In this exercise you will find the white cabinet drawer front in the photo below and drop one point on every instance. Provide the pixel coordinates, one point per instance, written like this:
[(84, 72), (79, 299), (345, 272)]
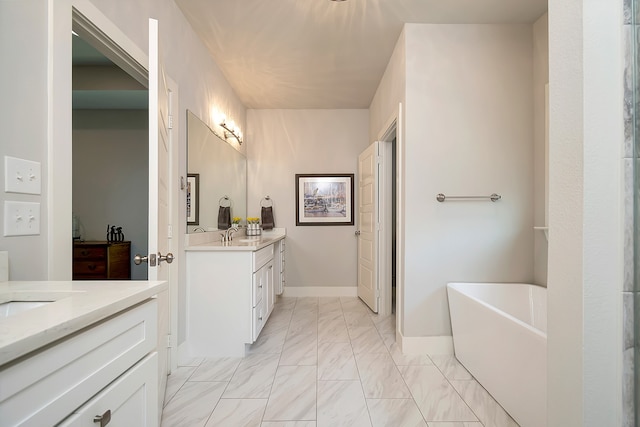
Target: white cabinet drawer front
[(131, 399), (259, 318), (262, 256), (47, 386), (258, 287)]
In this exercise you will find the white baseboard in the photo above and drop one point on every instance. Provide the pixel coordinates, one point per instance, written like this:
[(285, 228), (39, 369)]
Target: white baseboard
[(320, 291), (442, 344)]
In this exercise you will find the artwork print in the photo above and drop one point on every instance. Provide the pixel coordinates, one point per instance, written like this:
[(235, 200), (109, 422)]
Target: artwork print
[(324, 199)]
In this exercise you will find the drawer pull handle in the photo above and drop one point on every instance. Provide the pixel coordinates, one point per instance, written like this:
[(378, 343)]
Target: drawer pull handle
[(91, 267), (84, 253), (103, 419)]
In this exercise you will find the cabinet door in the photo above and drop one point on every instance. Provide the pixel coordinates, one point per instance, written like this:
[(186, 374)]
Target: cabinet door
[(279, 267), (131, 400), (269, 289)]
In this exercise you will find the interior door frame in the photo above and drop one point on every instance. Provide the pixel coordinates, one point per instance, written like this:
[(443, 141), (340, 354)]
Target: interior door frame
[(390, 131)]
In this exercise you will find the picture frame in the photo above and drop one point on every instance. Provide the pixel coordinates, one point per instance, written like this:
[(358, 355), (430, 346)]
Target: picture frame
[(324, 199), (193, 199)]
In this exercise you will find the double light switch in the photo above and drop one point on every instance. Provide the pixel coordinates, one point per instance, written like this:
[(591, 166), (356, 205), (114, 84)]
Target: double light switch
[(21, 176)]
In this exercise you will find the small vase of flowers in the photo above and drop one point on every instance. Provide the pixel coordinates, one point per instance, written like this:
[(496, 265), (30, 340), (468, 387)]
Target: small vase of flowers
[(253, 226)]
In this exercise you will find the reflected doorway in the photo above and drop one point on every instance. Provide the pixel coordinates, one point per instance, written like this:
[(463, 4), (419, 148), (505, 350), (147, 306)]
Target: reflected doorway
[(110, 134)]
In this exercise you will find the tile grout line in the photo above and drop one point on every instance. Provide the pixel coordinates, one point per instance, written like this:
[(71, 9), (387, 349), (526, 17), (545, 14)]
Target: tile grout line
[(262, 420)]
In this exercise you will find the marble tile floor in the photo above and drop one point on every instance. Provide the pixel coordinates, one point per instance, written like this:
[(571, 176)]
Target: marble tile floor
[(328, 362)]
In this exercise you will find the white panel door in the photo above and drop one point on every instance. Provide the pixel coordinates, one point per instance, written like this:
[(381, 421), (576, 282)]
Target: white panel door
[(159, 212), (368, 224)]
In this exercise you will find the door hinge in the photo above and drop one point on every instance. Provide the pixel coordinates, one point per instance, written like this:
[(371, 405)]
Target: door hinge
[(170, 341), (170, 125), (169, 231)]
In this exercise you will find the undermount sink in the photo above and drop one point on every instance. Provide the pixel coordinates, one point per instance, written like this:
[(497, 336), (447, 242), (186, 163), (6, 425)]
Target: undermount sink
[(10, 308)]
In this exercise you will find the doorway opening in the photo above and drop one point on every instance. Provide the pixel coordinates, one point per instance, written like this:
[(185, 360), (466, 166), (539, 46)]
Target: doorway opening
[(110, 163), (388, 219)]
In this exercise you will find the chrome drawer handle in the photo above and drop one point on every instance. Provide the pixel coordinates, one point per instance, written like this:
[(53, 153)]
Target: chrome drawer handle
[(103, 419)]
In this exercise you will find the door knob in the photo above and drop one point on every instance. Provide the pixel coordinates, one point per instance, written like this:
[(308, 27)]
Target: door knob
[(138, 259), (168, 257), (151, 259)]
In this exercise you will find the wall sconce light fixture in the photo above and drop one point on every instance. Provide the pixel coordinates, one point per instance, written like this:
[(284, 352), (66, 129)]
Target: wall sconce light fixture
[(231, 130)]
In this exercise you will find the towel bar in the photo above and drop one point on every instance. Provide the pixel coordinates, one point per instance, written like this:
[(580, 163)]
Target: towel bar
[(493, 197)]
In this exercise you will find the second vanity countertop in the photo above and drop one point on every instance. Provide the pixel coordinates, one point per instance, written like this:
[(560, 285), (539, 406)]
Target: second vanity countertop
[(72, 306), (198, 241)]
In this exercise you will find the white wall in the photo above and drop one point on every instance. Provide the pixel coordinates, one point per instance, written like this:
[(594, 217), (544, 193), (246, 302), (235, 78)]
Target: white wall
[(585, 239), (284, 143), (540, 78), (469, 131), (111, 176), (23, 120), (390, 91)]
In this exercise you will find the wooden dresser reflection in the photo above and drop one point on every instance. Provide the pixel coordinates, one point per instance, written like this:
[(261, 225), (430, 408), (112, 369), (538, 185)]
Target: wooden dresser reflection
[(101, 260)]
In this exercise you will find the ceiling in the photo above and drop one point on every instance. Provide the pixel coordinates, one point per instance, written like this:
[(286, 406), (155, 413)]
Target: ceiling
[(83, 54), (321, 53)]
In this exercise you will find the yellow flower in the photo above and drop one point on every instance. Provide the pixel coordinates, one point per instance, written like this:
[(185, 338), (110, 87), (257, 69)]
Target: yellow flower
[(237, 219)]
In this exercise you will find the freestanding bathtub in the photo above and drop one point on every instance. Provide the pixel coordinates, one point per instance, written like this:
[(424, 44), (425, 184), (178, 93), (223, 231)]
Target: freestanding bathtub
[(500, 336)]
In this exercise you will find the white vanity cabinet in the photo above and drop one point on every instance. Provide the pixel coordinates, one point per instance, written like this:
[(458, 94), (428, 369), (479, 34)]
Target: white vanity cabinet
[(108, 369), (231, 292), (279, 266), (263, 295), (125, 402)]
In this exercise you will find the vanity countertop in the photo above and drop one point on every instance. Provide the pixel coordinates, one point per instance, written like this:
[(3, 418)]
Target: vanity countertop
[(75, 305), (239, 243)]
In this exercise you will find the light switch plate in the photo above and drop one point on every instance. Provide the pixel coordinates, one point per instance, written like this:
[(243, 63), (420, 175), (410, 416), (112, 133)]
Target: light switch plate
[(22, 176), (21, 218)]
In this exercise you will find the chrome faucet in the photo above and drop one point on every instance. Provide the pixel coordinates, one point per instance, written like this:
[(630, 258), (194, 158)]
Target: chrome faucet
[(199, 229), (227, 236)]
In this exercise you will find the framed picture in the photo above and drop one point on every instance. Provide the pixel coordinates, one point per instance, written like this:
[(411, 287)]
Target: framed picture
[(193, 199), (324, 199)]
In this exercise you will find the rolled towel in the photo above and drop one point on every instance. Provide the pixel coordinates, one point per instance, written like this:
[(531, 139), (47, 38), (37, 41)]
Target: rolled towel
[(266, 214), (224, 217)]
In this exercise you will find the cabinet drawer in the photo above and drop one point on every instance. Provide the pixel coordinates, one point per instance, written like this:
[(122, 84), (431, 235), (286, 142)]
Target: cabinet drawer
[(258, 287), (89, 268), (119, 270), (259, 318), (131, 400), (90, 252), (262, 256), (45, 387)]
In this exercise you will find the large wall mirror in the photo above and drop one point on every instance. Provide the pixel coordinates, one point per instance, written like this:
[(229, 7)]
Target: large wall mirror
[(217, 174)]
